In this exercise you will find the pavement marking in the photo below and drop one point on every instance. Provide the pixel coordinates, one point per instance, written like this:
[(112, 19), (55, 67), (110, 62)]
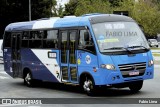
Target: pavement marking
[(11, 105), (156, 58), (3, 77), (3, 73), (157, 66)]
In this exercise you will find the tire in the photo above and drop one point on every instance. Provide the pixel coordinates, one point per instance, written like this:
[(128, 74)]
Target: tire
[(136, 86), (88, 85), (157, 46), (28, 80)]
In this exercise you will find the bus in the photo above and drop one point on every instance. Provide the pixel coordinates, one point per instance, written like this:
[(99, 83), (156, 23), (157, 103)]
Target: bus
[(1, 52), (92, 50)]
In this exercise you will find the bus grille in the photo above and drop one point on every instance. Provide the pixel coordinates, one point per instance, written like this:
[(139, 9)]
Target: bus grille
[(127, 68)]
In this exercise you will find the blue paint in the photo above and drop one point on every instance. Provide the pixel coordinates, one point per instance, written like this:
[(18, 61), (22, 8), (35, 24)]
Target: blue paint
[(88, 61)]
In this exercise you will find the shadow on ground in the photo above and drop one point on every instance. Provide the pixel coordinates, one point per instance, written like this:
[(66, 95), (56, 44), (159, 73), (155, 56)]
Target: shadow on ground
[(101, 92)]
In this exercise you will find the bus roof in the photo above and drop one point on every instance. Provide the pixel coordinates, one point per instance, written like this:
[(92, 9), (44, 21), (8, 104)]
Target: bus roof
[(56, 22)]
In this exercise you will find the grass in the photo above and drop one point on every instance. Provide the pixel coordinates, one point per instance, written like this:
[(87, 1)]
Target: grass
[(157, 62), (154, 48), (156, 54)]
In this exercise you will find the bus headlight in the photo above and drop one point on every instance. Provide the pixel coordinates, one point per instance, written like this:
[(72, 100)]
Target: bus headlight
[(150, 63), (108, 66)]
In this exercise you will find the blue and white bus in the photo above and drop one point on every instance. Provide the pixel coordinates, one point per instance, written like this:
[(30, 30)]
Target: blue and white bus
[(92, 50)]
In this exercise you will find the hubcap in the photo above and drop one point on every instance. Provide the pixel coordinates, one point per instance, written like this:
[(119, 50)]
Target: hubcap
[(28, 79), (88, 85)]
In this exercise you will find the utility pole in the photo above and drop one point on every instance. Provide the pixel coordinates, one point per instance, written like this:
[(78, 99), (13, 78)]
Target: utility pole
[(29, 10)]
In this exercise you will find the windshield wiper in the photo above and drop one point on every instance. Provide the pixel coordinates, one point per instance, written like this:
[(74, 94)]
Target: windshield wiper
[(139, 46), (114, 48), (128, 49), (120, 48)]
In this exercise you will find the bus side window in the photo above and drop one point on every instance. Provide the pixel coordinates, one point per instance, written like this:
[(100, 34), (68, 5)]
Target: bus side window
[(86, 41), (25, 37), (7, 42), (35, 40), (51, 39)]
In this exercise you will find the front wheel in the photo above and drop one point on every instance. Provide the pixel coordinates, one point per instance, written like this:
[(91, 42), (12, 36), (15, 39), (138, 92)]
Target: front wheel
[(88, 86), (136, 86)]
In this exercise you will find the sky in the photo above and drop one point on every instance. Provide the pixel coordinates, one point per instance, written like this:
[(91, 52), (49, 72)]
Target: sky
[(61, 2)]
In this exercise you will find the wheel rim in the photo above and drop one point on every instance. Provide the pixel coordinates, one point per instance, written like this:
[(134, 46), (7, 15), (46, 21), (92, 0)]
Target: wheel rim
[(28, 79), (88, 85)]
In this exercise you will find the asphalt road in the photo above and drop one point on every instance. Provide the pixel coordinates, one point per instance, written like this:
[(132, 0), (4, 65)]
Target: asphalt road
[(14, 88)]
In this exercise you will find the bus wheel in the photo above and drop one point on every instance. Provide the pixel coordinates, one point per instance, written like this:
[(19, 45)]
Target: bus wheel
[(88, 86), (136, 86), (28, 79)]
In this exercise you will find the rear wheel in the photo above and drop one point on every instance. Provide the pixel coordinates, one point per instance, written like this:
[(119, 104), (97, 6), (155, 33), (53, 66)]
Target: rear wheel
[(136, 86), (28, 80)]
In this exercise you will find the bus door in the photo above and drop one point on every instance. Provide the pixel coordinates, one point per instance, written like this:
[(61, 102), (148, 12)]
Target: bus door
[(68, 56), (15, 54)]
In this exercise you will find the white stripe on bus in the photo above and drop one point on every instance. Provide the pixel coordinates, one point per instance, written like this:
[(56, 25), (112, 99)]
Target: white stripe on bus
[(48, 62), (44, 23)]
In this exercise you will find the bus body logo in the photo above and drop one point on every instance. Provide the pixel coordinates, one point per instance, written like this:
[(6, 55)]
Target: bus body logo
[(88, 59)]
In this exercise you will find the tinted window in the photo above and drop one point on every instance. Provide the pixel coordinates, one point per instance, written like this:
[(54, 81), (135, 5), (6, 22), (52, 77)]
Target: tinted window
[(86, 41), (72, 47), (51, 39), (64, 43), (25, 38), (35, 39), (7, 42)]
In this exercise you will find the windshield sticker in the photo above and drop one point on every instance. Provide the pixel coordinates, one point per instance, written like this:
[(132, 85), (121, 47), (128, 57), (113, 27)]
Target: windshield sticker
[(88, 59), (79, 55), (115, 26), (108, 26), (79, 61), (108, 40), (101, 37), (112, 40), (101, 41), (118, 26)]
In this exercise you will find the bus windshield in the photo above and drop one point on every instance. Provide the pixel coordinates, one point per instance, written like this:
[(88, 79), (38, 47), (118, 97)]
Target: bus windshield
[(117, 36)]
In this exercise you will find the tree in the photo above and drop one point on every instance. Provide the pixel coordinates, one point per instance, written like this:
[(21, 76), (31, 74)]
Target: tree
[(145, 13), (18, 10), (42, 8), (92, 6), (70, 7), (148, 16)]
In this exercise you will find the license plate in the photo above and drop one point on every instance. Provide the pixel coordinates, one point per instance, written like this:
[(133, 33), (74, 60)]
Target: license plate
[(134, 73)]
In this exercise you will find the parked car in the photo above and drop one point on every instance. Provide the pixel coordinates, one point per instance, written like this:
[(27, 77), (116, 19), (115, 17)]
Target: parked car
[(1, 52), (153, 42)]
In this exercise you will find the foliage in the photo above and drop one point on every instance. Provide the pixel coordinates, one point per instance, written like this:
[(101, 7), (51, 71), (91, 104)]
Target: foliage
[(18, 10), (70, 7), (42, 8), (92, 6), (145, 13)]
